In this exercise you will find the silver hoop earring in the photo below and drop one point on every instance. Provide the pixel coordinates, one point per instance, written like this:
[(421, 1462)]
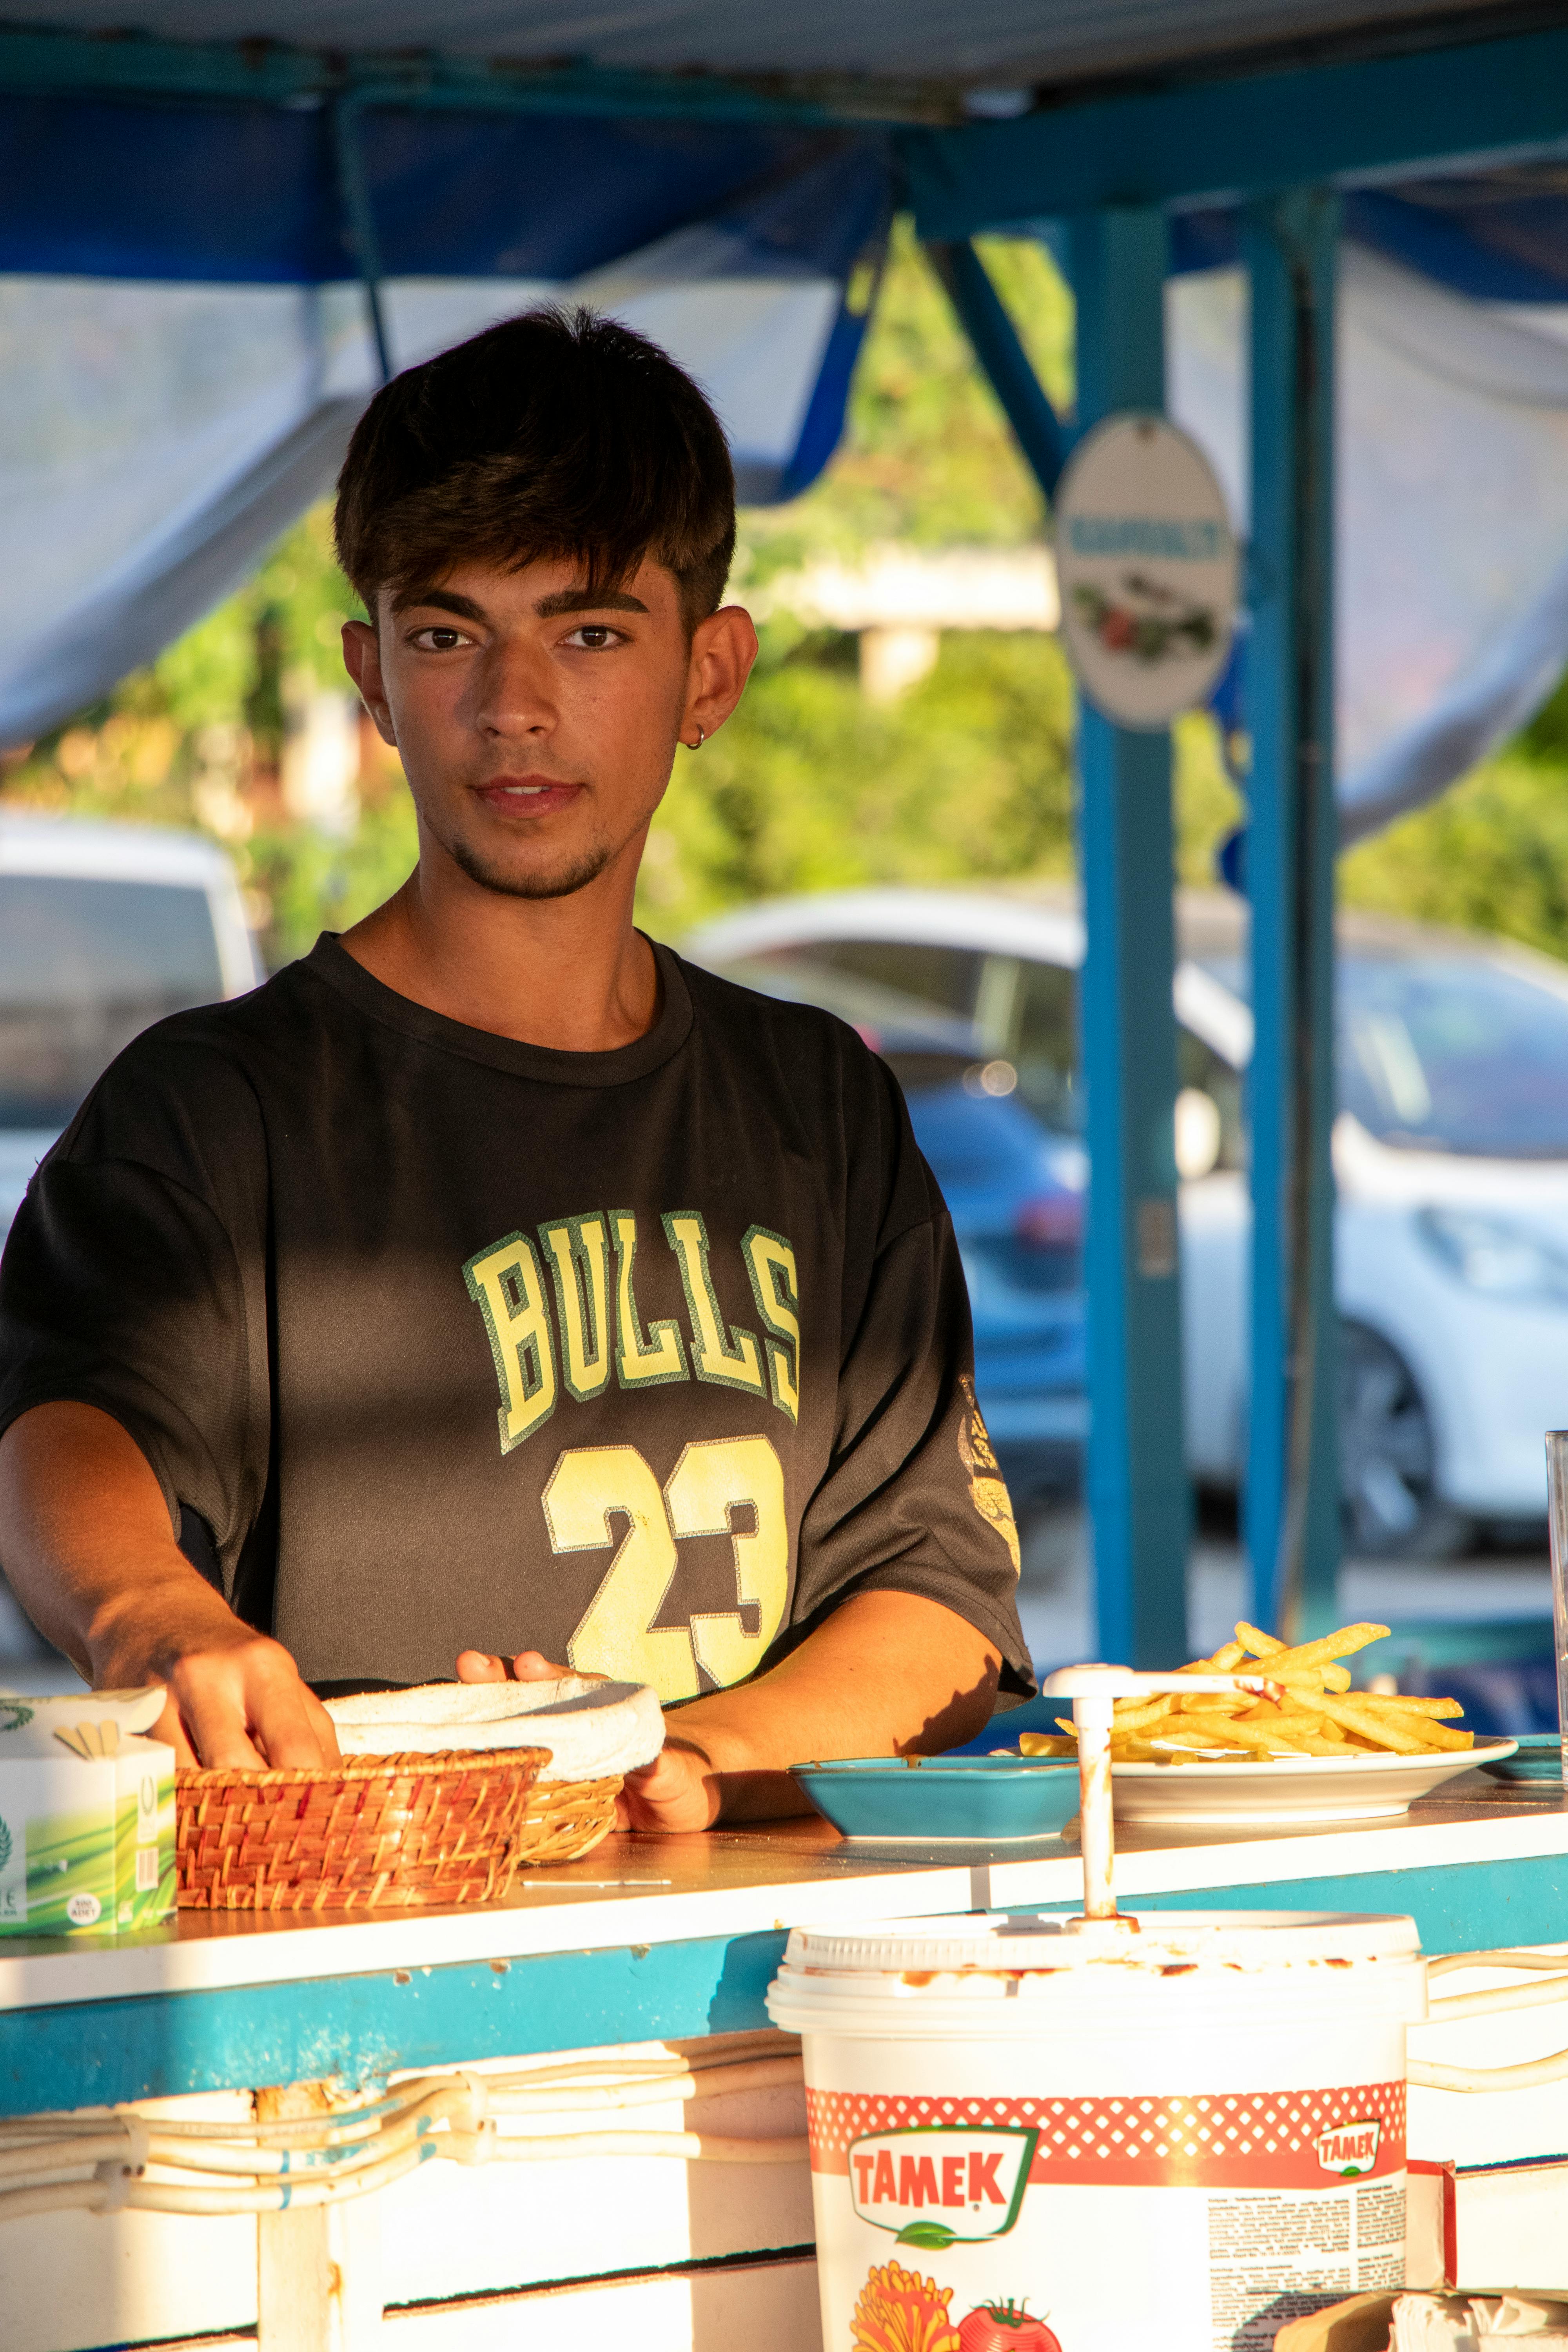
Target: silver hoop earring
[(701, 738)]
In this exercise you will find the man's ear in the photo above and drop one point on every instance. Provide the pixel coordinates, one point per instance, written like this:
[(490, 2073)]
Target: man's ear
[(723, 648), (361, 659)]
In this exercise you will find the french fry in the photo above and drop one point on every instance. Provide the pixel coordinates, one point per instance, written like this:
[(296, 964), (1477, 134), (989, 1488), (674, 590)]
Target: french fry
[(1358, 1714), (1138, 1718), (1426, 1727), (1225, 1661), (1325, 1651), (1412, 1703), (1267, 1645), (1268, 1740), (1309, 1710)]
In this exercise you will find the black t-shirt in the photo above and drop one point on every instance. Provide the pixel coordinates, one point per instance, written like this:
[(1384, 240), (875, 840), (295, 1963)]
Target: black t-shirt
[(645, 1359)]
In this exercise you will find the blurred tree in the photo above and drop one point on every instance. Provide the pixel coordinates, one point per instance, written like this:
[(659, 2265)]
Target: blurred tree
[(1490, 855)]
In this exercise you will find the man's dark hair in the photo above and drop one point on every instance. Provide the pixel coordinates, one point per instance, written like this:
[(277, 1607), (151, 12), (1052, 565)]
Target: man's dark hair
[(558, 433)]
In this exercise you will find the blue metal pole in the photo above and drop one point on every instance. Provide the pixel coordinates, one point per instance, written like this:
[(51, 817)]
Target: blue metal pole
[(1137, 1482), (993, 339), (360, 220), (1292, 1501)]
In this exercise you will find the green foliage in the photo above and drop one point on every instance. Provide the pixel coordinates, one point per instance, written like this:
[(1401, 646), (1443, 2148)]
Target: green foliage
[(208, 676), (811, 787), (927, 454), (1490, 855), (312, 882)]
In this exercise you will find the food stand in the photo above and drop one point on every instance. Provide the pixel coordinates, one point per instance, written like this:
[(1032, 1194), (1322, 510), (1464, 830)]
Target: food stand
[(643, 1943), (648, 1943)]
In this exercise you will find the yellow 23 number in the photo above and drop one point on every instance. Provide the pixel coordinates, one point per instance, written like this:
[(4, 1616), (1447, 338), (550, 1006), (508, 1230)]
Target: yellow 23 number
[(617, 1635)]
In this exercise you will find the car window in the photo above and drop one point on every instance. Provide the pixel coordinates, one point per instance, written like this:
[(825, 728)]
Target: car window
[(84, 965), (1197, 1065), (945, 977), (1029, 1012), (1454, 1053)]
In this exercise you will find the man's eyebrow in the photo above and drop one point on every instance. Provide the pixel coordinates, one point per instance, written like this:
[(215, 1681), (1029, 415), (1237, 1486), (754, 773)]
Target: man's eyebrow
[(588, 600), (445, 599)]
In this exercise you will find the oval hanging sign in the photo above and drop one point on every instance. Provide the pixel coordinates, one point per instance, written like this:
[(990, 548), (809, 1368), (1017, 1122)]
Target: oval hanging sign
[(1146, 563)]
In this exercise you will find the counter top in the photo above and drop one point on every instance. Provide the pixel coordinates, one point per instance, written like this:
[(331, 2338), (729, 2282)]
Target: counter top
[(658, 1939), (639, 1891)]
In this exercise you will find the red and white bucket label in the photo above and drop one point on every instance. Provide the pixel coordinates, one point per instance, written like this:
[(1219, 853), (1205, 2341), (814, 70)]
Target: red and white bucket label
[(1221, 2139), (1202, 2222)]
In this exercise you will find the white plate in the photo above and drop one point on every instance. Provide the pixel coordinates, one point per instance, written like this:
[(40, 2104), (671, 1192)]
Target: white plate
[(1359, 1788)]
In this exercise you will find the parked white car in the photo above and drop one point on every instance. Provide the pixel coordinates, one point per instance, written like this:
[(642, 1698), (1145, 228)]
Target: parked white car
[(1450, 1151), (104, 929)]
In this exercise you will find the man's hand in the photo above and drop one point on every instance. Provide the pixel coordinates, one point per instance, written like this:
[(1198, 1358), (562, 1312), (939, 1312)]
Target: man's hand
[(888, 1673), (528, 1667), (679, 1790), (86, 1542), (235, 1698)]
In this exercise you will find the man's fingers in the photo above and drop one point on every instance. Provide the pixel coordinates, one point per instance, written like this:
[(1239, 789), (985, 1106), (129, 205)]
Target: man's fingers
[(247, 1707), (675, 1792), (171, 1729), (215, 1720), (533, 1666), (294, 1729), (528, 1667), (480, 1667), (326, 1730)]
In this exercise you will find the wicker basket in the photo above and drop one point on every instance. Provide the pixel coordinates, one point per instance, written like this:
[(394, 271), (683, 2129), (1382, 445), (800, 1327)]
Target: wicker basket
[(567, 1819), (376, 1831)]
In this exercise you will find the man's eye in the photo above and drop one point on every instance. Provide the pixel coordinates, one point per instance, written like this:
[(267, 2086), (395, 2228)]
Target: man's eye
[(594, 637), (438, 641)]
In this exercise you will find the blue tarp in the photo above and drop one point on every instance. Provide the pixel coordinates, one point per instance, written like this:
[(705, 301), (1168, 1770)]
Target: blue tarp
[(249, 195)]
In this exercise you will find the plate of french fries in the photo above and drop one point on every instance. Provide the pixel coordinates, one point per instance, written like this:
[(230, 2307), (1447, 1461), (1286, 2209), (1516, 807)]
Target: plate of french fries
[(1321, 1751)]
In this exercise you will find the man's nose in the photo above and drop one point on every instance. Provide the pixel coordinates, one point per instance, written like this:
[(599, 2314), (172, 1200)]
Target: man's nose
[(514, 696)]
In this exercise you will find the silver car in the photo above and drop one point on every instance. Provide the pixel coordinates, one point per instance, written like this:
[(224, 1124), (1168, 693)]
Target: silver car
[(1450, 1152)]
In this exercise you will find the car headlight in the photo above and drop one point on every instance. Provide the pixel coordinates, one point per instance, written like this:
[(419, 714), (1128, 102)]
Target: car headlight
[(1493, 1255)]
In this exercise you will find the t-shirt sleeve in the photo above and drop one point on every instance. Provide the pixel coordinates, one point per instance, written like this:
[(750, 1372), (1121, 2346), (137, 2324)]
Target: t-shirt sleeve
[(912, 1500), (121, 1286)]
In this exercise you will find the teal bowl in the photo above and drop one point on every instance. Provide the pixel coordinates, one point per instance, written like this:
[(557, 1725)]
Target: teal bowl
[(1539, 1757), (930, 1800)]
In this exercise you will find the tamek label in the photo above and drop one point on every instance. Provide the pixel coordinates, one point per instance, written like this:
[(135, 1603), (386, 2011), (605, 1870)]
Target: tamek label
[(1351, 2149), (938, 2185)]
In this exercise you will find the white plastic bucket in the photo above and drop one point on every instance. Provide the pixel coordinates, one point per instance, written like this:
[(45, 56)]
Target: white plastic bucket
[(1176, 2138)]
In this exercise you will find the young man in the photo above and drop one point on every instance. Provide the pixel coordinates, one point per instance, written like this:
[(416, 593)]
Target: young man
[(491, 1286)]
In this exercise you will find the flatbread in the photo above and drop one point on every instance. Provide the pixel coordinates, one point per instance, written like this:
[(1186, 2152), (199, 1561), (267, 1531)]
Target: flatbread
[(591, 1727)]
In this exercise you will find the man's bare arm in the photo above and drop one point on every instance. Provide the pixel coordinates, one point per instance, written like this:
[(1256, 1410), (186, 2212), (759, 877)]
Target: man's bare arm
[(86, 1542), (888, 1674)]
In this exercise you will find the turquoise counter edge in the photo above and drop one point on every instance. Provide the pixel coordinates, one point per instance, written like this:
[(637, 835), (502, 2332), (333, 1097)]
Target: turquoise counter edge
[(358, 2027)]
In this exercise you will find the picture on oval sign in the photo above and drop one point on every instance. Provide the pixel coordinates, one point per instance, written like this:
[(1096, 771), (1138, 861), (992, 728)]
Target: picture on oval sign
[(1146, 564)]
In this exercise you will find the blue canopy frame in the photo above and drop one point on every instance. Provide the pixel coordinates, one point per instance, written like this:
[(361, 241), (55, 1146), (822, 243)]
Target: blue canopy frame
[(1260, 161)]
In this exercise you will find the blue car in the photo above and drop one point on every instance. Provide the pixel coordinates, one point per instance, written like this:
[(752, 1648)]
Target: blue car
[(1017, 1199), (1016, 1196)]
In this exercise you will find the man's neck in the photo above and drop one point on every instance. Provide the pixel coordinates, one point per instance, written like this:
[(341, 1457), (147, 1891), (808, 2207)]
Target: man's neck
[(568, 972)]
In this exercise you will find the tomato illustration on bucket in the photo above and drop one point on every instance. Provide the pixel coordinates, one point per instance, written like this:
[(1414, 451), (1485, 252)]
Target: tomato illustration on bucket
[(900, 2311), (1004, 2328)]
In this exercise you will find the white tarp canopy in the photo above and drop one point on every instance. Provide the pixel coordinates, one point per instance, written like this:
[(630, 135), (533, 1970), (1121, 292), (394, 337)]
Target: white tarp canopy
[(160, 437), (1452, 547)]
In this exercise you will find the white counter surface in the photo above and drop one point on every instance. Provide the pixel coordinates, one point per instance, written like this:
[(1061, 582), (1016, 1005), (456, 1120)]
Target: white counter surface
[(645, 1891)]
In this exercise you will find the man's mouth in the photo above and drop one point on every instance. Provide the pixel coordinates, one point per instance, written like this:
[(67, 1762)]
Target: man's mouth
[(527, 795)]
